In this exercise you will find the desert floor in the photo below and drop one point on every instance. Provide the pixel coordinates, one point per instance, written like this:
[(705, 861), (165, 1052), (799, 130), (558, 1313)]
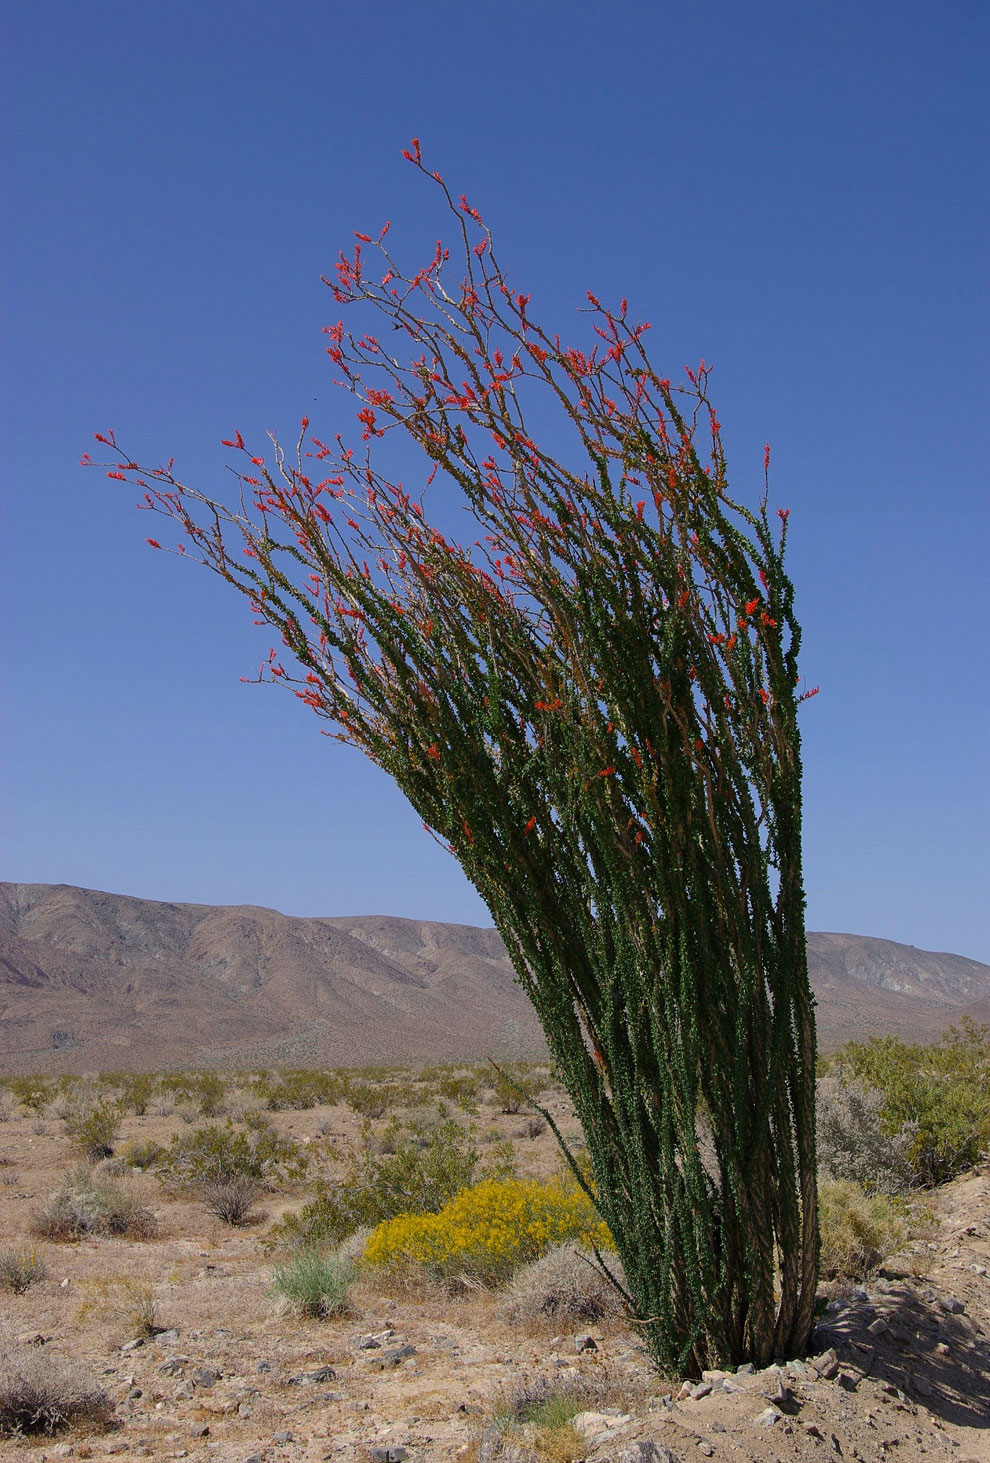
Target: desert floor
[(231, 1378)]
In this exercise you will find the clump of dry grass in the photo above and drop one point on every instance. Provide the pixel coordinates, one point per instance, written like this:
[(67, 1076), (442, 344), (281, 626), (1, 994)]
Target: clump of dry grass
[(562, 1288), (20, 1269), (42, 1392), (89, 1203)]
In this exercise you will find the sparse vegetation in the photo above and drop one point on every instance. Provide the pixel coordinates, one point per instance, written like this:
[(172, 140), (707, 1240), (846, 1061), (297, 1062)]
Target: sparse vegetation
[(218, 1155), (414, 1170)]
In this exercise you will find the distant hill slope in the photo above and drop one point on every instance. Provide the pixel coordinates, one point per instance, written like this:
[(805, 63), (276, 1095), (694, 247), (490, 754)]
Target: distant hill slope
[(92, 981)]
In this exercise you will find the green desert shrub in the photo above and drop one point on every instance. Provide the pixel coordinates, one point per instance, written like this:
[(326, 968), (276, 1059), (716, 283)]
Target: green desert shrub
[(939, 1093), (94, 1130), (217, 1155), (314, 1283), (88, 1204), (141, 1153), (409, 1170), (297, 1088)]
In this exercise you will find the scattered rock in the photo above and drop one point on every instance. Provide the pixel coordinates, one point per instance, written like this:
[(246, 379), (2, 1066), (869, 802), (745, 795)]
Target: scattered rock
[(167, 1338), (592, 1424), (133, 1345), (388, 1455), (647, 1452), (206, 1377), (877, 1327), (768, 1418), (312, 1379), (585, 1343), (954, 1306), (699, 1390), (826, 1365), (394, 1356), (746, 1370)]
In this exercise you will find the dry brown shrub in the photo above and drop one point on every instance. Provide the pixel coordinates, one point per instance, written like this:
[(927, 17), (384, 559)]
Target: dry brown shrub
[(562, 1288), (41, 1392)]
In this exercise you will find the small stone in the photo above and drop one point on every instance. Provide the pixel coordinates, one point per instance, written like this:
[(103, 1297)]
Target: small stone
[(718, 1427), (167, 1338), (647, 1452), (243, 1409), (943, 1349), (706, 1449), (133, 1345), (921, 1385), (768, 1418), (312, 1379), (746, 1370), (848, 1382), (206, 1377), (954, 1306), (877, 1327), (183, 1392), (135, 1392), (388, 1455), (701, 1389), (61, 1450), (253, 1458), (280, 1439), (393, 1356), (200, 1432), (585, 1343), (684, 1393), (826, 1365), (812, 1429)]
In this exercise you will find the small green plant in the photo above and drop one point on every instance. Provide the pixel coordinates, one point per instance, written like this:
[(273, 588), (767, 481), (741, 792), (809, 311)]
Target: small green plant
[(20, 1269), (141, 1154), (94, 1131), (313, 1283), (545, 1410)]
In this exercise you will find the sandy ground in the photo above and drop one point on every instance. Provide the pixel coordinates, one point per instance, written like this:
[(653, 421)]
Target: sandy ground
[(899, 1369)]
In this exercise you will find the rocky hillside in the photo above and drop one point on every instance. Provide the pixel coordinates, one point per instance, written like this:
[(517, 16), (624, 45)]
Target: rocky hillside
[(92, 981)]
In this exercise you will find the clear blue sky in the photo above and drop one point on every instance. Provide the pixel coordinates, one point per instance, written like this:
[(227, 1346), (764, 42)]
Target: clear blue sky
[(798, 193)]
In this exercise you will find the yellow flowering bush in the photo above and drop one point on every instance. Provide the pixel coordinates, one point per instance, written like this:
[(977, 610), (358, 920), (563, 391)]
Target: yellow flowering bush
[(489, 1230)]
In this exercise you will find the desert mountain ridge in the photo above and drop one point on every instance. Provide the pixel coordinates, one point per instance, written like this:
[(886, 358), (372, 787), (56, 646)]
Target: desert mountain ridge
[(94, 981)]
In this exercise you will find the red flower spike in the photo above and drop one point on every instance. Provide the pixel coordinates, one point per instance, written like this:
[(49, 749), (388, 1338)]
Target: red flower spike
[(153, 542), (433, 752), (530, 826), (751, 605), (119, 475)]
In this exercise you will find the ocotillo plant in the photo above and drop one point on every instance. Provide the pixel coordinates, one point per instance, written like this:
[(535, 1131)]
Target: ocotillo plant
[(598, 719)]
